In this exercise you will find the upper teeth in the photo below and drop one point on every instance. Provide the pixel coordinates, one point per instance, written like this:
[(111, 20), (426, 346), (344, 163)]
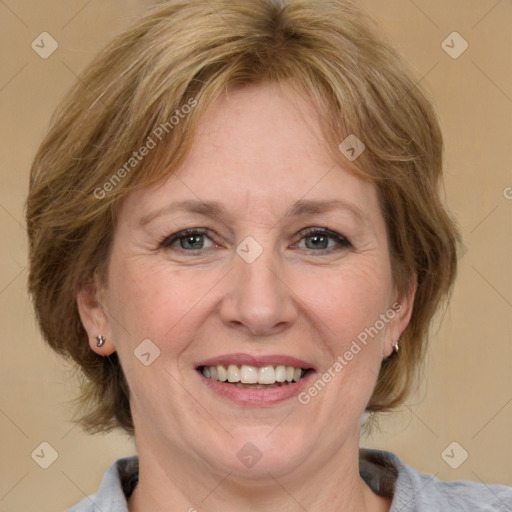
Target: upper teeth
[(252, 374)]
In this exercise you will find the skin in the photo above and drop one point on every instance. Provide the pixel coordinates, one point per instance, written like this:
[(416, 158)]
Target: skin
[(257, 152)]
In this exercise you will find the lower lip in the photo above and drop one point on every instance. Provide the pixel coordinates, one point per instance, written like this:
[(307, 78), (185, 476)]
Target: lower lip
[(258, 397)]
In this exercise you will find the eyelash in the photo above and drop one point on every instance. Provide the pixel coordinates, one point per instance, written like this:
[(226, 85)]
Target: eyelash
[(343, 243)]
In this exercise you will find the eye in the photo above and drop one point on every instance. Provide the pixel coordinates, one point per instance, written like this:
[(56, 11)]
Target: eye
[(187, 240), (197, 239), (323, 239)]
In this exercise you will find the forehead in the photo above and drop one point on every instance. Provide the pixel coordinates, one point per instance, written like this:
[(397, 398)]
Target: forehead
[(259, 146)]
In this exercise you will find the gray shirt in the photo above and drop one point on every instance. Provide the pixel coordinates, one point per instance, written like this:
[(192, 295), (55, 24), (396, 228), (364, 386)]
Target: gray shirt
[(383, 471)]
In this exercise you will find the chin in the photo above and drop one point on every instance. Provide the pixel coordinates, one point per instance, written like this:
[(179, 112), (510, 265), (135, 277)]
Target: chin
[(253, 453)]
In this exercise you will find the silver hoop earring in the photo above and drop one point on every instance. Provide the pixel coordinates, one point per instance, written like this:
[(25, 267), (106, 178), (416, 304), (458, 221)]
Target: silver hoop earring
[(395, 346), (101, 341)]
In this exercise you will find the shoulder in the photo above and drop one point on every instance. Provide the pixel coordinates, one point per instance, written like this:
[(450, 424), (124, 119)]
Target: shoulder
[(421, 492), (116, 485)]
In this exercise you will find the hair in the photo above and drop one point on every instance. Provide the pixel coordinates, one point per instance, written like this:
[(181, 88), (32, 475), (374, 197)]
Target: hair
[(186, 53)]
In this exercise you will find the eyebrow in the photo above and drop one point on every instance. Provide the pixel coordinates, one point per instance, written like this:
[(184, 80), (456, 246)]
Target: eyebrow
[(215, 209)]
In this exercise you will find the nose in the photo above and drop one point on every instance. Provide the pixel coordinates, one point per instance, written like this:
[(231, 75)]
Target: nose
[(258, 301)]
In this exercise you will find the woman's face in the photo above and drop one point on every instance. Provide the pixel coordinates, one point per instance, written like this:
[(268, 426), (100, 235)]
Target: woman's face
[(286, 264)]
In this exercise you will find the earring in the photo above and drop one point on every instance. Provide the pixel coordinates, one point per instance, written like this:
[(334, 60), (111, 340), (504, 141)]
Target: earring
[(395, 346), (101, 341)]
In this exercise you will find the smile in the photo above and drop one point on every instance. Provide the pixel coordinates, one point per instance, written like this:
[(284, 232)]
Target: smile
[(254, 377), (255, 380)]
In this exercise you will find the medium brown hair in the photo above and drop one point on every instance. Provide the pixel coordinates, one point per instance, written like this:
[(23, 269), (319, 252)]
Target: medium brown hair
[(186, 53)]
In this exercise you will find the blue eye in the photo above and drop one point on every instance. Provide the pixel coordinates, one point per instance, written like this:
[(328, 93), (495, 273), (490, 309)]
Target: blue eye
[(324, 240), (192, 241), (188, 240), (316, 239)]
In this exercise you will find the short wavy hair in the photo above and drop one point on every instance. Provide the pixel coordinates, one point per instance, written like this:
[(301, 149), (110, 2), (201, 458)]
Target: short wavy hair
[(187, 52)]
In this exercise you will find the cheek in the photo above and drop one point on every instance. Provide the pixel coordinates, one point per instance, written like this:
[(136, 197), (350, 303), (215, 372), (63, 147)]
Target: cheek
[(349, 314), (353, 300), (151, 300)]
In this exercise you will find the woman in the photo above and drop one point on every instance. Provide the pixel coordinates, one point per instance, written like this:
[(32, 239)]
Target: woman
[(237, 235)]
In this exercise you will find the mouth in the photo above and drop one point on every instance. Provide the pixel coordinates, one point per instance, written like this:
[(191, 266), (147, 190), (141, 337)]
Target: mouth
[(255, 380), (254, 377)]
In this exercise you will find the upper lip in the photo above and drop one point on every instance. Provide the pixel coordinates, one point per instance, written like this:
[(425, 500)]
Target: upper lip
[(256, 360)]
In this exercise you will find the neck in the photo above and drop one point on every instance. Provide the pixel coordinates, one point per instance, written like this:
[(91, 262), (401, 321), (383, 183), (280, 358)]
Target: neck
[(174, 478)]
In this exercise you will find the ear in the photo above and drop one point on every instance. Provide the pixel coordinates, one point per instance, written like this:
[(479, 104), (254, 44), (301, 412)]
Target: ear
[(94, 318), (402, 307)]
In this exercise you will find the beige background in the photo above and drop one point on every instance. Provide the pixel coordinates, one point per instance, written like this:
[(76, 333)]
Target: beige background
[(467, 396)]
